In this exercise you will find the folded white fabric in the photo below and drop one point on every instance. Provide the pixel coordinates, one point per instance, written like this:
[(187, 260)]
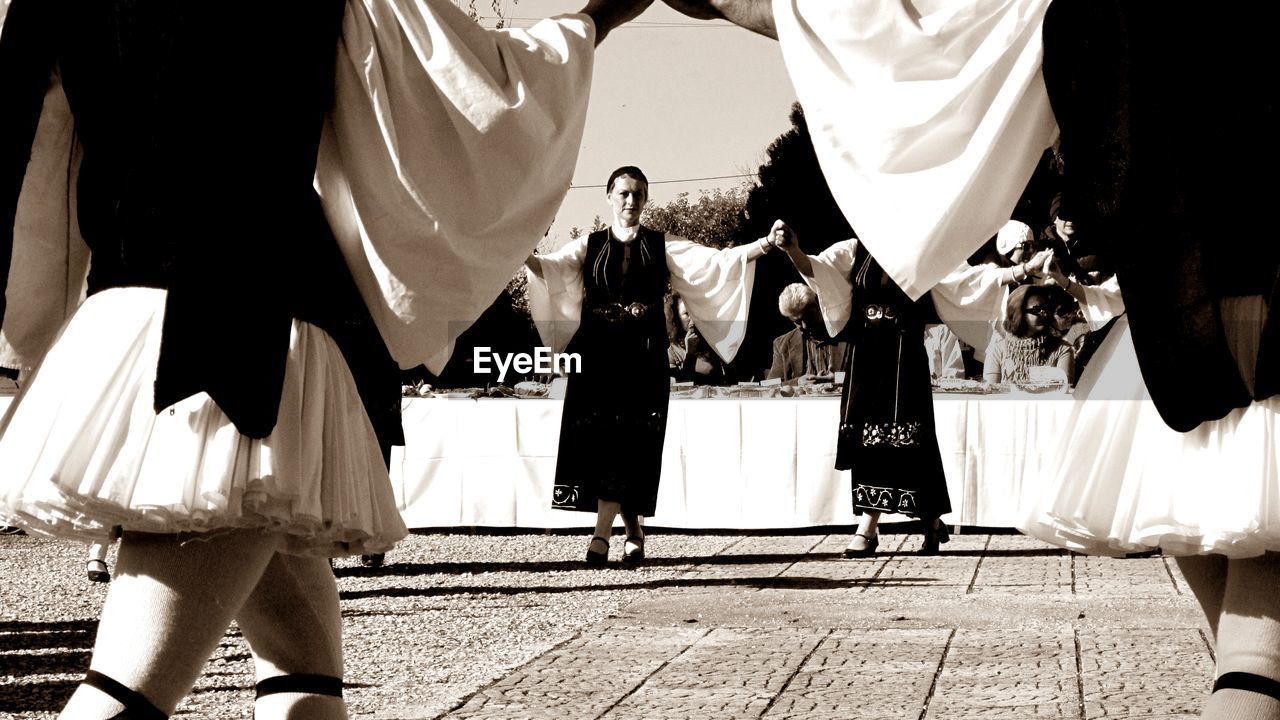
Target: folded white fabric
[(449, 151), (928, 117)]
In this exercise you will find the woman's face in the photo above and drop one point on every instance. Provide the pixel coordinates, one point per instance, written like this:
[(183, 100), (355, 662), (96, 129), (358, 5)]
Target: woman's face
[(1039, 315), (628, 197), (1021, 252), (686, 320), (1065, 228)]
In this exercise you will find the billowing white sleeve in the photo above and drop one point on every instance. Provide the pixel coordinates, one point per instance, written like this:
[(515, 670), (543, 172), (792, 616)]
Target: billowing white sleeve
[(445, 158), (50, 260), (928, 117), (1102, 303), (555, 294), (832, 269), (716, 288), (970, 300)]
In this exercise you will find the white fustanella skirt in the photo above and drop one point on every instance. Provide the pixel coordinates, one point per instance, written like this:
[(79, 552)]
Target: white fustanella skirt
[(83, 451), (1122, 481)]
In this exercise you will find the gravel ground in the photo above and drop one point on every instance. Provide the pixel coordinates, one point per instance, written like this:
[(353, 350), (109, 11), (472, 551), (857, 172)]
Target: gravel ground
[(447, 614)]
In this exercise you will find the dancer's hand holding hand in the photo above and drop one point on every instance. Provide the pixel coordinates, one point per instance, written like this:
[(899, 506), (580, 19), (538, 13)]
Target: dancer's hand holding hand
[(1036, 266), (1054, 272), (782, 236), (754, 15), (609, 14), (699, 9)]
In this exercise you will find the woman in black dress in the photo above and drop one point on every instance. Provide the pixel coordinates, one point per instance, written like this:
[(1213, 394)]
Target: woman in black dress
[(615, 410), (887, 438)]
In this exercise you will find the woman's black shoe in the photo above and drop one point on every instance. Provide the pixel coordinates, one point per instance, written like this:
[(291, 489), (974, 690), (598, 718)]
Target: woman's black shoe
[(634, 556), (873, 542), (934, 535), (597, 559)]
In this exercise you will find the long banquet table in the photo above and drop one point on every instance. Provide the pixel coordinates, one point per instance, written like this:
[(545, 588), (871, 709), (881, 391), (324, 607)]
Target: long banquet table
[(727, 463)]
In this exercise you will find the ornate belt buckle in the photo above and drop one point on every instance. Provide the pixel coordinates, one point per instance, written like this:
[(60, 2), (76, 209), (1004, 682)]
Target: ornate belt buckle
[(636, 309), (873, 312)]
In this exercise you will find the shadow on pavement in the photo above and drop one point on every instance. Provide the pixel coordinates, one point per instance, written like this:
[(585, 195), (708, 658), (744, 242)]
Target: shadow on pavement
[(807, 583), (30, 649), (394, 569)]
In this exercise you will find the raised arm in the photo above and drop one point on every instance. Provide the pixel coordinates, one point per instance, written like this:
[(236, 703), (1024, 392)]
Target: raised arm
[(754, 15), (609, 14)]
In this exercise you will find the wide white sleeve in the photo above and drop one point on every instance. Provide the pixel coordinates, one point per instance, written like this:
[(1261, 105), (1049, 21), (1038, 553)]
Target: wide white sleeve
[(831, 281), (970, 300), (716, 288), (50, 259), (555, 294), (445, 158), (1102, 303), (928, 117)]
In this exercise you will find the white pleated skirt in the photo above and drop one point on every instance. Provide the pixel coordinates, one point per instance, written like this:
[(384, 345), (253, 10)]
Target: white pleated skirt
[(83, 452), (1122, 481)]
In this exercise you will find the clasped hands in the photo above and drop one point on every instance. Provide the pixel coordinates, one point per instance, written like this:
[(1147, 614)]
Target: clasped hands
[(1043, 267), (781, 235)]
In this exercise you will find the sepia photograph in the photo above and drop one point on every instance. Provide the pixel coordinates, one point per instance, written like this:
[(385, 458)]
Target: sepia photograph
[(653, 359)]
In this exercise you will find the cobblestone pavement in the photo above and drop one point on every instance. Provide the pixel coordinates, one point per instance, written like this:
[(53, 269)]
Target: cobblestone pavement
[(713, 626), (998, 626)]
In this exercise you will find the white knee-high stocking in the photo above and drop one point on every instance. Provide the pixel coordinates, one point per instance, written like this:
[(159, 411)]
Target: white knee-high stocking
[(1249, 643)]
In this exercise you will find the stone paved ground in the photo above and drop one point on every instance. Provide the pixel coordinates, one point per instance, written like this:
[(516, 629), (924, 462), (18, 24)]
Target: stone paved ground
[(714, 626), (999, 626)]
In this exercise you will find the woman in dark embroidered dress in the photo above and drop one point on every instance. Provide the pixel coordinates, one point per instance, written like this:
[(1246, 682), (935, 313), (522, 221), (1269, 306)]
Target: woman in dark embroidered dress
[(615, 411), (887, 437)]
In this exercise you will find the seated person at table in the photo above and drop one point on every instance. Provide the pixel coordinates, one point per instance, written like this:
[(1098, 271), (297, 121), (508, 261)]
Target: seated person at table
[(946, 357), (690, 357), (1030, 338), (807, 352)]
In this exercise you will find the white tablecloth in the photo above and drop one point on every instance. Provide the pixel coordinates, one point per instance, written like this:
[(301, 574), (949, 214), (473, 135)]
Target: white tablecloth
[(750, 463)]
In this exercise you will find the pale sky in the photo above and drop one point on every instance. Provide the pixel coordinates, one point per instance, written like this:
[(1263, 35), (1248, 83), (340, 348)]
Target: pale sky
[(680, 98)]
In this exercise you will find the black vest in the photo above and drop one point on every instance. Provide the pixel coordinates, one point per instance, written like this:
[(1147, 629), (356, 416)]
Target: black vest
[(200, 129)]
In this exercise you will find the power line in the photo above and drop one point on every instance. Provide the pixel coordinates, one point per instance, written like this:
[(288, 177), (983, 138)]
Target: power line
[(665, 182), (633, 25)]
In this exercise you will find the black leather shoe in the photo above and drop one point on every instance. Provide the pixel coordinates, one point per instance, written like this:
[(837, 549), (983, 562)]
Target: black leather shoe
[(594, 558), (873, 542), (374, 560), (97, 571), (934, 535), (634, 556)]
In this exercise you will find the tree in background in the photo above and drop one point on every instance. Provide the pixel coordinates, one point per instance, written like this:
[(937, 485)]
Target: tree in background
[(575, 232), (715, 219), (498, 7), (790, 187)]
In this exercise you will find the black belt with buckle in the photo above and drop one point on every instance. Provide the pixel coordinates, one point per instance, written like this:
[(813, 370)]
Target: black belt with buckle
[(617, 312), (875, 314)]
